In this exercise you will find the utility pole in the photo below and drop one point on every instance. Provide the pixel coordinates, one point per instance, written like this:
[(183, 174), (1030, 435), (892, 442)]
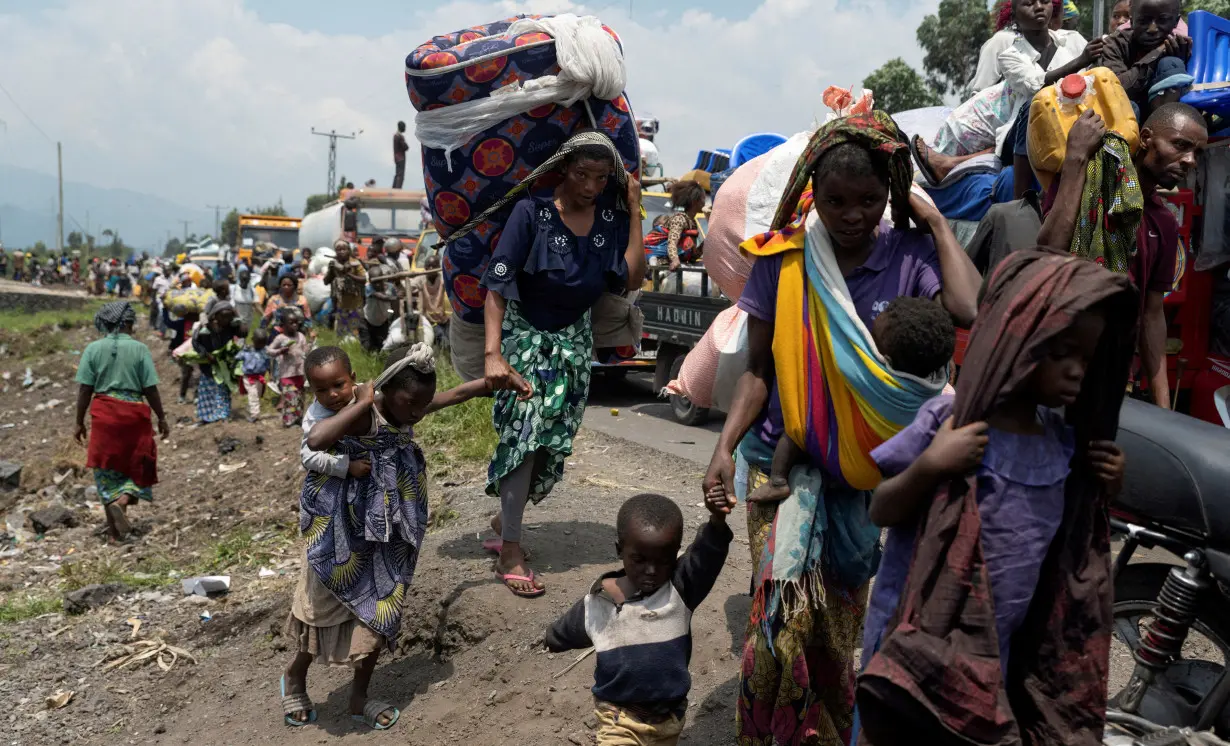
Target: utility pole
[(60, 213), (185, 222), (333, 138), (217, 223)]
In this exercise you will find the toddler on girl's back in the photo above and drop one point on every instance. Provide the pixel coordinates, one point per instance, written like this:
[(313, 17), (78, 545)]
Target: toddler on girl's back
[(364, 522), (1026, 440)]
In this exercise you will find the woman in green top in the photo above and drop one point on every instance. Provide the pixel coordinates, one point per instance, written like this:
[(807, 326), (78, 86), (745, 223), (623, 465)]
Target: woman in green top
[(116, 375)]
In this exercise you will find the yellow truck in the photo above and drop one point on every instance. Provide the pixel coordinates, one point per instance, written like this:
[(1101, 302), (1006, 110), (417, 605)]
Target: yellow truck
[(279, 230)]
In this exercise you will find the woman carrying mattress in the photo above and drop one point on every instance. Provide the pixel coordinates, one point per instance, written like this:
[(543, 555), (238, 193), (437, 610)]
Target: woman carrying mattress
[(557, 255), (814, 375)]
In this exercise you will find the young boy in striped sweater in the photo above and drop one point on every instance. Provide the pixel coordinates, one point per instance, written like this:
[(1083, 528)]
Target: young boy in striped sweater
[(639, 619)]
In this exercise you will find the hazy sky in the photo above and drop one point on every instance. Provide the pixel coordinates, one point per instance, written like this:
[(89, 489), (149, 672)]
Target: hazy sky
[(212, 101)]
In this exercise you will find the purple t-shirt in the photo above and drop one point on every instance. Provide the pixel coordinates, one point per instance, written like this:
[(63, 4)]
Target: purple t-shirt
[(1020, 490), (902, 263)]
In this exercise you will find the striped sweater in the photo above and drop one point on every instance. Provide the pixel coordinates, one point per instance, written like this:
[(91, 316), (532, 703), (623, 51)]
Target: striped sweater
[(644, 644)]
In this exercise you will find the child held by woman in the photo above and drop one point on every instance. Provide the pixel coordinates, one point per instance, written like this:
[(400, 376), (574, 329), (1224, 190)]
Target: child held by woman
[(1023, 461), (639, 619), (363, 533), (915, 336)]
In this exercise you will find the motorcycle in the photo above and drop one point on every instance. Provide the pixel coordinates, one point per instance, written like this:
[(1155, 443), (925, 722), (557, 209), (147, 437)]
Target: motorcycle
[(1173, 617)]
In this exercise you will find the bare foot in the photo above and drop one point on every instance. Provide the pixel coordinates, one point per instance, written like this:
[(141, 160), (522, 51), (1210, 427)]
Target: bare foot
[(774, 490), (497, 525), (512, 561), (941, 165)]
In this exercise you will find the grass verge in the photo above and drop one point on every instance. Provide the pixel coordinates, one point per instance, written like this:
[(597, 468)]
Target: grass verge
[(34, 335), (20, 608), (463, 433)]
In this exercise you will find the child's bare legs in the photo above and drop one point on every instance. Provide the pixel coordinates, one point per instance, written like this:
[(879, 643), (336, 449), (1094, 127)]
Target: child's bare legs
[(785, 456), (358, 689), (255, 391), (296, 680), (185, 380)]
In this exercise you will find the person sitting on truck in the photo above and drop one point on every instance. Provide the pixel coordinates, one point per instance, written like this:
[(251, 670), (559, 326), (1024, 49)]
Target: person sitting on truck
[(676, 240), (1169, 141), (797, 680), (557, 255), (1150, 58)]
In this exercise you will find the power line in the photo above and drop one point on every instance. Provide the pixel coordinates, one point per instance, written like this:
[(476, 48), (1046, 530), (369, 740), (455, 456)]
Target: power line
[(24, 114)]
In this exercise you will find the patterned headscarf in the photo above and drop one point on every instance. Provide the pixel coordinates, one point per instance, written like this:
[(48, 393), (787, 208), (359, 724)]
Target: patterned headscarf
[(878, 133), (577, 141), (114, 316)]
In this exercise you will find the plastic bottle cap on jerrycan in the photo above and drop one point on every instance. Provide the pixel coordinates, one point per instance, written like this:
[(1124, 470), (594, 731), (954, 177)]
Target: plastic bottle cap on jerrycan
[(1073, 86)]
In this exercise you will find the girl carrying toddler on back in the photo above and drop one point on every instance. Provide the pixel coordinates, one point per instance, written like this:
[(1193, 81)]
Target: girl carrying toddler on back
[(364, 532), (990, 616)]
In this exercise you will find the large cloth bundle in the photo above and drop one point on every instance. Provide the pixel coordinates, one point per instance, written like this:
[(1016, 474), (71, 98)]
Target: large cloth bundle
[(181, 301), (475, 148)]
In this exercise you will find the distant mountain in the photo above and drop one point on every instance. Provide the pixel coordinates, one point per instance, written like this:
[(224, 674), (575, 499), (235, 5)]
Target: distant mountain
[(28, 212)]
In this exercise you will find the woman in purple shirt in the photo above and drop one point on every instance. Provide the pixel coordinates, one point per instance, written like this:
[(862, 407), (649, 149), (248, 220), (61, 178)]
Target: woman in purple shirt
[(850, 174)]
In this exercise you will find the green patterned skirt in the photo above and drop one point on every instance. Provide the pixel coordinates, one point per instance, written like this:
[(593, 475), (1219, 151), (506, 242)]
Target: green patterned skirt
[(557, 366)]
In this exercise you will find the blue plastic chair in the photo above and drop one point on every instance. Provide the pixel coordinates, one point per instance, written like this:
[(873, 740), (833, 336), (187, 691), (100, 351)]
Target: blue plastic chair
[(754, 145), (712, 160), (1210, 62)]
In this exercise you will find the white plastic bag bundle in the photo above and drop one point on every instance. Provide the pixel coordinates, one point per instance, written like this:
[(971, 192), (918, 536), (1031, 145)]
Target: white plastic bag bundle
[(320, 261), (316, 292), (397, 333)]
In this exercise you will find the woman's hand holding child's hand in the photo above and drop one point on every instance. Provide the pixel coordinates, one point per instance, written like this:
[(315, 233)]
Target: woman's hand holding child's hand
[(360, 468), (718, 502), (1106, 460), (956, 451)]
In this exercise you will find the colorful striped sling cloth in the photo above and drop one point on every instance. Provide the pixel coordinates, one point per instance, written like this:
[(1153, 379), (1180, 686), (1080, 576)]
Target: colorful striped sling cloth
[(840, 400)]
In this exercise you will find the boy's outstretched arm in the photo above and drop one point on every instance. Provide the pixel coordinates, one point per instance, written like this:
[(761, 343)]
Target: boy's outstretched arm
[(568, 632), (459, 394), (699, 567)]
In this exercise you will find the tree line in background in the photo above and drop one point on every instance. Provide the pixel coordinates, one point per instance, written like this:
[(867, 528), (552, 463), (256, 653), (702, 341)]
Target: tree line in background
[(112, 246), (951, 39)]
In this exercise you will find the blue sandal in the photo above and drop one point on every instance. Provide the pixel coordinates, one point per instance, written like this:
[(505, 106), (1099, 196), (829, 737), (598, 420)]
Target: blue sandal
[(371, 712), (292, 703)]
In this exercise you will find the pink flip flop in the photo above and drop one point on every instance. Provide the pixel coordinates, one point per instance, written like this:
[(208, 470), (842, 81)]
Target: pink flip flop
[(523, 579), (495, 545)]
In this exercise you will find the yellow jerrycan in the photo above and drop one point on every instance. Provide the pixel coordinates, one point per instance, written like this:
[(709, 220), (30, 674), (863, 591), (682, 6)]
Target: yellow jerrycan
[(1057, 107)]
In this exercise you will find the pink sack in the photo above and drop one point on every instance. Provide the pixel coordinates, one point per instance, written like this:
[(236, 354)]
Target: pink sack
[(700, 367), (725, 262)]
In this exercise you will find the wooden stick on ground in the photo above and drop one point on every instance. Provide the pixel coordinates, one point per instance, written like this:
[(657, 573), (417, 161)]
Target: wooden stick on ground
[(573, 665)]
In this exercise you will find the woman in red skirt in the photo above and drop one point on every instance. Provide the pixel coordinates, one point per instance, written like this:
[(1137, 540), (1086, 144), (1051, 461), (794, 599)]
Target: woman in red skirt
[(117, 378)]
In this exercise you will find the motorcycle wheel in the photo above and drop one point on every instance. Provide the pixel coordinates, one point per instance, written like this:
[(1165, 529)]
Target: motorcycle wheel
[(1206, 653)]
